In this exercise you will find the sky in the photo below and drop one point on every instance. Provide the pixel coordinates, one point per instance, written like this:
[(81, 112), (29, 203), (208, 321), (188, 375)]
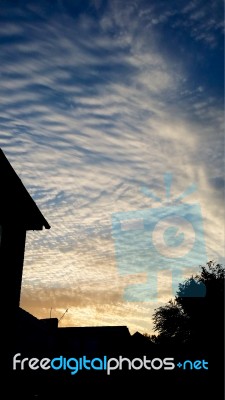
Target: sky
[(110, 110)]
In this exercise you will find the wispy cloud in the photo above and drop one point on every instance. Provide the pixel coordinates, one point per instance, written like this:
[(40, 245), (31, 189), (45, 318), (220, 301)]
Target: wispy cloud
[(93, 108)]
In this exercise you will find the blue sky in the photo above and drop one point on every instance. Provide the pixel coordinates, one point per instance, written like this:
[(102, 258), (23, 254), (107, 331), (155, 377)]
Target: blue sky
[(100, 99)]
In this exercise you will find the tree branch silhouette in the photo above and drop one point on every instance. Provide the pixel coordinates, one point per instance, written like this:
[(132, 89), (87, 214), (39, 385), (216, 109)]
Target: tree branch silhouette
[(196, 315)]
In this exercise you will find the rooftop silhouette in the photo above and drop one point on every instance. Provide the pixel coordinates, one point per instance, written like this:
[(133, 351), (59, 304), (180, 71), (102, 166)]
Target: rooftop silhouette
[(17, 208)]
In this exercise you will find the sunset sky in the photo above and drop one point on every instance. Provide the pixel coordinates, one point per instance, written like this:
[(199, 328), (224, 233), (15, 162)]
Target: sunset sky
[(99, 100)]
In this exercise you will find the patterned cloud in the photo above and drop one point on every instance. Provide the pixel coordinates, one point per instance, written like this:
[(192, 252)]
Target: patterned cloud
[(96, 103)]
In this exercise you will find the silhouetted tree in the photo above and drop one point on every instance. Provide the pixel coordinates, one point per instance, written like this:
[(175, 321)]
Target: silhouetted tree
[(196, 315), (172, 323), (152, 338)]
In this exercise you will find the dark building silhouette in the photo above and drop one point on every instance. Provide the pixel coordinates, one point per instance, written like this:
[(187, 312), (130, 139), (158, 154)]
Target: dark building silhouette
[(18, 214)]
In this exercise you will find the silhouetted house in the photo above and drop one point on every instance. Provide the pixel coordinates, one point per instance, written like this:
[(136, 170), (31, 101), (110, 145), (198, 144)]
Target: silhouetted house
[(141, 342), (94, 340), (33, 335), (18, 214)]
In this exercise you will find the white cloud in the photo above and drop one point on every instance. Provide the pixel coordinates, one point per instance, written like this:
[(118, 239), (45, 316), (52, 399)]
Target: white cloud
[(88, 119)]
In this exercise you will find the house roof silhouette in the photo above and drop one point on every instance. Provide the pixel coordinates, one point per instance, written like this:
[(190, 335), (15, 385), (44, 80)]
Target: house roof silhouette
[(16, 205)]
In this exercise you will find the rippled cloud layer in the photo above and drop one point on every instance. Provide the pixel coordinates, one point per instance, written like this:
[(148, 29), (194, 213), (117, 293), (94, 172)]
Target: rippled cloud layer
[(98, 100)]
